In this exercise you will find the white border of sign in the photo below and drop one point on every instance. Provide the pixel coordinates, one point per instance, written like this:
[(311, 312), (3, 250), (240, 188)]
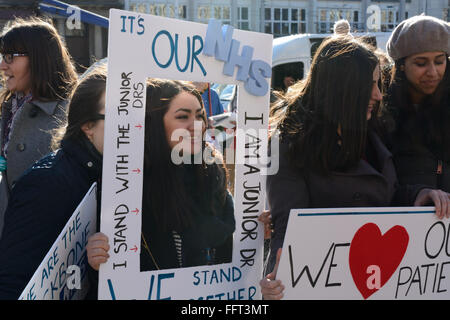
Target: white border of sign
[(317, 257), (142, 46)]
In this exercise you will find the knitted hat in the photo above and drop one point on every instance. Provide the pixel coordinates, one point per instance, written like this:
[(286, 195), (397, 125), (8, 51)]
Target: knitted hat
[(341, 27), (419, 34)]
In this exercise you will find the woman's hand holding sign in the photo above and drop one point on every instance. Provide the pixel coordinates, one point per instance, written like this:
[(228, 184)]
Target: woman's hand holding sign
[(97, 250), (439, 198), (272, 289)]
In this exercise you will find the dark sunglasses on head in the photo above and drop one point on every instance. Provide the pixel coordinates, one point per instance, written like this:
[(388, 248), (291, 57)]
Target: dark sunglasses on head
[(9, 57)]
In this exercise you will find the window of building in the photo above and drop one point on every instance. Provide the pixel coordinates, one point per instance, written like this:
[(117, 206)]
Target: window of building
[(300, 16), (328, 16), (446, 13), (284, 21), (206, 12), (355, 22), (141, 7), (389, 19), (160, 9), (243, 20), (323, 21), (203, 13)]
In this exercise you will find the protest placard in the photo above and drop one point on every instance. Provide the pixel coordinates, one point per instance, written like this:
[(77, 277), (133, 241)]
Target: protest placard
[(366, 253), (62, 274), (144, 46)]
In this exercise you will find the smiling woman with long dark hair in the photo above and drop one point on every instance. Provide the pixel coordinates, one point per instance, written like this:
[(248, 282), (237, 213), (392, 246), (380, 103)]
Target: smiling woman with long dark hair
[(186, 202)]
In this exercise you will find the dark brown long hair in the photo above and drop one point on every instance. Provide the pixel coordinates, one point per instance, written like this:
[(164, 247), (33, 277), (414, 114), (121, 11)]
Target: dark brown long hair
[(53, 74), (84, 106), (165, 194), (334, 95), (429, 123)]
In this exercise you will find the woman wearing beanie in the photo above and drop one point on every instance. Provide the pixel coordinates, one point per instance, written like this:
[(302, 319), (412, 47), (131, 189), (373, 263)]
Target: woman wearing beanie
[(418, 102)]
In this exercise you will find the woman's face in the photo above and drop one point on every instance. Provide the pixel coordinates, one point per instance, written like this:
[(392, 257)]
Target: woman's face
[(94, 130), (375, 95), (424, 71), (184, 123), (17, 74)]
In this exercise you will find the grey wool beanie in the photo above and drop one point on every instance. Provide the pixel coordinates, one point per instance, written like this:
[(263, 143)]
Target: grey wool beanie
[(419, 34)]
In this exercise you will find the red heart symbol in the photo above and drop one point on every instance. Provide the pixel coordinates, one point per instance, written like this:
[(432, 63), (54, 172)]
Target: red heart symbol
[(374, 257)]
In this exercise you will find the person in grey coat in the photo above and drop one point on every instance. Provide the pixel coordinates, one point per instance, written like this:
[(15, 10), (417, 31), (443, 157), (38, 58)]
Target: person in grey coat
[(329, 155), (39, 76)]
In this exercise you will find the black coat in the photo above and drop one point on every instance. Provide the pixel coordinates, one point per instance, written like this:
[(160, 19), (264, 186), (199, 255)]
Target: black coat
[(416, 163), (361, 186), (41, 203), (209, 240), (419, 156)]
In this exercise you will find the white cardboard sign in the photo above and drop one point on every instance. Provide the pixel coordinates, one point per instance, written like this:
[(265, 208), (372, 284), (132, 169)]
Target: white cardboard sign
[(143, 46), (366, 253), (62, 274)]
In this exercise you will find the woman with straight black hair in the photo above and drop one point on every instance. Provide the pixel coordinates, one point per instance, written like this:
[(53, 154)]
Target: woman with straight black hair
[(187, 202), (329, 154), (187, 211), (38, 76)]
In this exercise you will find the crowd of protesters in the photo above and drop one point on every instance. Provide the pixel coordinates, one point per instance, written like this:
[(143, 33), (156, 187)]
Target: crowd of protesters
[(348, 136), (339, 148)]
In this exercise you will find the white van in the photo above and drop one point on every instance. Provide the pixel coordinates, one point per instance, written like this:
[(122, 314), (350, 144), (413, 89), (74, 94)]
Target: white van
[(292, 55)]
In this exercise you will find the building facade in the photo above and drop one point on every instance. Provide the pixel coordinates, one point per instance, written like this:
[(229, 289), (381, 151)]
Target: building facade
[(88, 42), (285, 17)]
